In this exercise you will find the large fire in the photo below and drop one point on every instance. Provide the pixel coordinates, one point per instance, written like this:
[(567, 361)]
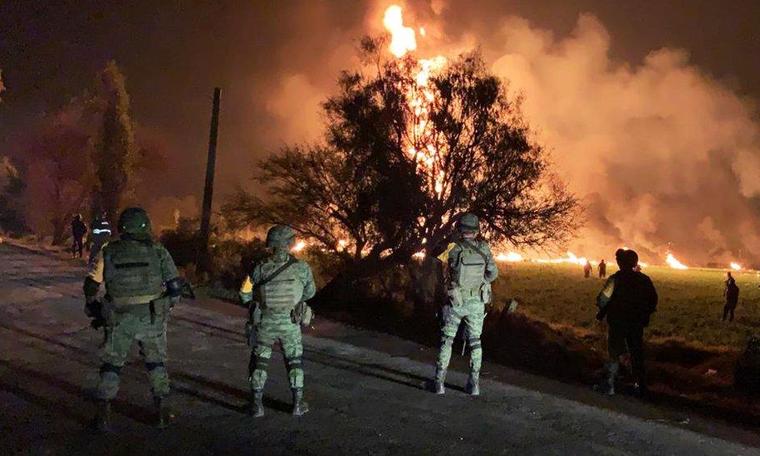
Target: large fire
[(671, 261), (421, 144), (735, 266)]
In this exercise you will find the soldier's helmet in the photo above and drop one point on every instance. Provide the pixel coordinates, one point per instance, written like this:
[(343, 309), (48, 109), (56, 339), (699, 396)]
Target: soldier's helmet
[(134, 221), (468, 223), (280, 236)]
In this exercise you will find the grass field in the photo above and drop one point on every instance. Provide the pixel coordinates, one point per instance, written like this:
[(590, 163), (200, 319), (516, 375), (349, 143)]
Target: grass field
[(690, 305)]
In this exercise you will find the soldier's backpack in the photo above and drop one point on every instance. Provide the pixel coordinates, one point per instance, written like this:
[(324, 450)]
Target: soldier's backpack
[(471, 266), (132, 272)]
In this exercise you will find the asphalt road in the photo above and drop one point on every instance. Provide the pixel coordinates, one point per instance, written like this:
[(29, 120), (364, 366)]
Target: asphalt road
[(366, 391)]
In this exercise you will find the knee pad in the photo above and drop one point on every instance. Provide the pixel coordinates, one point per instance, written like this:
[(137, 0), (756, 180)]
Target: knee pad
[(294, 363), (259, 363), (153, 366)]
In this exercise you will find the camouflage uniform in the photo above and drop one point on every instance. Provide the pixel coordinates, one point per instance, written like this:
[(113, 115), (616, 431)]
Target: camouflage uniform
[(471, 270), (136, 271), (275, 302)]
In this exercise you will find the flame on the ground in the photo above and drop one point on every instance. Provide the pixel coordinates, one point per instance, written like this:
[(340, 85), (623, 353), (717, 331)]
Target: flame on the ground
[(735, 266), (671, 261), (509, 257), (571, 258), (300, 245)]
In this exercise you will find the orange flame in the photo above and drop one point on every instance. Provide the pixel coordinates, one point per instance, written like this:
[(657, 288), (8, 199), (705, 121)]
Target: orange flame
[(735, 266), (671, 261), (509, 257), (300, 245), (402, 37)]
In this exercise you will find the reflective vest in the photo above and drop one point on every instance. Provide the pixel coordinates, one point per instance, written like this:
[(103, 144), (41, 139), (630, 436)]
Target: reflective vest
[(132, 272), (282, 293)]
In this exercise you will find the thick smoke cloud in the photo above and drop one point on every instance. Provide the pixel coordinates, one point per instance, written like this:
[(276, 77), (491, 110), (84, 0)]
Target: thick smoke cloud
[(663, 156)]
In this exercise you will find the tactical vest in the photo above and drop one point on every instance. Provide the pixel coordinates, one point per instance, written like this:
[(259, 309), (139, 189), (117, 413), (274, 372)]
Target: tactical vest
[(471, 267), (132, 272), (282, 293)]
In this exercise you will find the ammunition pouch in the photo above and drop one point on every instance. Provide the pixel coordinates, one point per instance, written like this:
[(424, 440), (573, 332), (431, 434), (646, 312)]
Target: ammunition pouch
[(455, 297), (302, 314), (254, 320), (485, 294), (162, 306)]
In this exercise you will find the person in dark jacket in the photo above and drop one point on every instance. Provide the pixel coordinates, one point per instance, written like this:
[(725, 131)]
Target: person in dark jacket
[(627, 301), (78, 230), (602, 269), (731, 293)]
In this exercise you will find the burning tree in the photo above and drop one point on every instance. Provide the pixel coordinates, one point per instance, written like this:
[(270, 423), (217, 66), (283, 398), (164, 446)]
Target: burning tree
[(114, 154), (409, 145)]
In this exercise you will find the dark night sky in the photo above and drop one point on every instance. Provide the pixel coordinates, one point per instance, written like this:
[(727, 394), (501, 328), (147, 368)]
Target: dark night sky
[(175, 52)]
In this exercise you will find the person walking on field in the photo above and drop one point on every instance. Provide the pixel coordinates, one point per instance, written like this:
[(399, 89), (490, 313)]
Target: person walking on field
[(587, 269), (731, 293), (471, 269), (602, 269), (78, 230), (627, 301)]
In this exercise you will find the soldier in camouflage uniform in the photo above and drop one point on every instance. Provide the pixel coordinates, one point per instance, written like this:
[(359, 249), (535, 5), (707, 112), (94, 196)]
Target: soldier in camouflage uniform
[(274, 291), (471, 269), (141, 283)]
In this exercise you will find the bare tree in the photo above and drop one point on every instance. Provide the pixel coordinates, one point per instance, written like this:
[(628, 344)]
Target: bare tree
[(409, 146)]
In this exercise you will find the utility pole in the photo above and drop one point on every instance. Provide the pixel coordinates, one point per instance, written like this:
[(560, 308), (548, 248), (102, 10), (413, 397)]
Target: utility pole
[(208, 189)]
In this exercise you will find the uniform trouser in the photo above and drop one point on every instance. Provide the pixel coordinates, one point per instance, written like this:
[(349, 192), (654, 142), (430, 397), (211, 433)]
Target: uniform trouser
[(77, 247), (728, 311), (630, 339), (276, 327), (123, 329), (97, 244), (472, 313)]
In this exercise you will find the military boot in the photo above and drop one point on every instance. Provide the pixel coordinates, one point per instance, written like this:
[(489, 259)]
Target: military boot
[(257, 404), (102, 420), (300, 407), (473, 384), (438, 384), (162, 412)]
